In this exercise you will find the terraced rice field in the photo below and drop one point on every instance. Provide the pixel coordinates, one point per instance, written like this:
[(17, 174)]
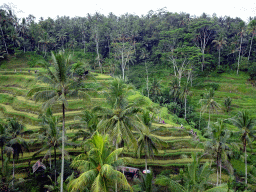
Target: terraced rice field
[(14, 87)]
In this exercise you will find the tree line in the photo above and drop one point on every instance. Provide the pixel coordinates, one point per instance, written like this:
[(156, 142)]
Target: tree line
[(175, 40)]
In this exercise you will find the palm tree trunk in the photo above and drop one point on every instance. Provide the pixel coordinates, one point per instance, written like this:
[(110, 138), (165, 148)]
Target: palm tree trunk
[(220, 171), (2, 156), (217, 169), (219, 58), (250, 46), (55, 165), (63, 147), (146, 164), (116, 167), (185, 106), (147, 77), (245, 162), (209, 119), (239, 55), (13, 171)]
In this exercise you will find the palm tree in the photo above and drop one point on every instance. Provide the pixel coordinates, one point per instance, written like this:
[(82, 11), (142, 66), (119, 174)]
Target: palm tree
[(147, 141), (120, 119), (59, 78), (241, 34), (61, 36), (246, 125), (227, 104), (87, 126), (209, 103), (155, 89), (51, 138), (252, 29), (219, 43), (97, 167), (184, 93), (16, 144), (175, 89), (218, 145)]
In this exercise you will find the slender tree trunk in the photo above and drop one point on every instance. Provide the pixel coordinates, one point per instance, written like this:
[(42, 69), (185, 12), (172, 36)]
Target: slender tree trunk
[(2, 155), (250, 46), (13, 171), (220, 171), (97, 50), (123, 61), (146, 164), (55, 172), (116, 167), (217, 169), (245, 162), (209, 118), (147, 77), (203, 59), (217, 176), (239, 55), (63, 148), (219, 58), (185, 107)]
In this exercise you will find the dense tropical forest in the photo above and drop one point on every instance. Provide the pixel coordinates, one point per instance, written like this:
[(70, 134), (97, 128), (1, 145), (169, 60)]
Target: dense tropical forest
[(160, 102)]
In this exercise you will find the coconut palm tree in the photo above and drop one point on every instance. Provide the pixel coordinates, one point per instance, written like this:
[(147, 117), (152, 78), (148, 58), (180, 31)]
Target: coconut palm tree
[(16, 143), (50, 138), (121, 118), (252, 29), (208, 103), (97, 167), (184, 94), (147, 141), (155, 88), (241, 34), (227, 104), (87, 126), (246, 125), (219, 43), (59, 77), (218, 145), (175, 89), (62, 36)]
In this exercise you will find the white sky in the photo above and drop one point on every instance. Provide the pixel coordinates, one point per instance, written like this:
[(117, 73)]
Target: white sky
[(72, 8)]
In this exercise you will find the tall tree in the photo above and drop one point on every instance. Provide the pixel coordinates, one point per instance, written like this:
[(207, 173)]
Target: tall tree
[(208, 103), (203, 32), (246, 124), (147, 141), (241, 33), (59, 77), (252, 29), (219, 43), (50, 138), (218, 145)]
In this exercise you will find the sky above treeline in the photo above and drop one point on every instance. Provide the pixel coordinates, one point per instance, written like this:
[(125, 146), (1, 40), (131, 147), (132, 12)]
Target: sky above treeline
[(53, 8)]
